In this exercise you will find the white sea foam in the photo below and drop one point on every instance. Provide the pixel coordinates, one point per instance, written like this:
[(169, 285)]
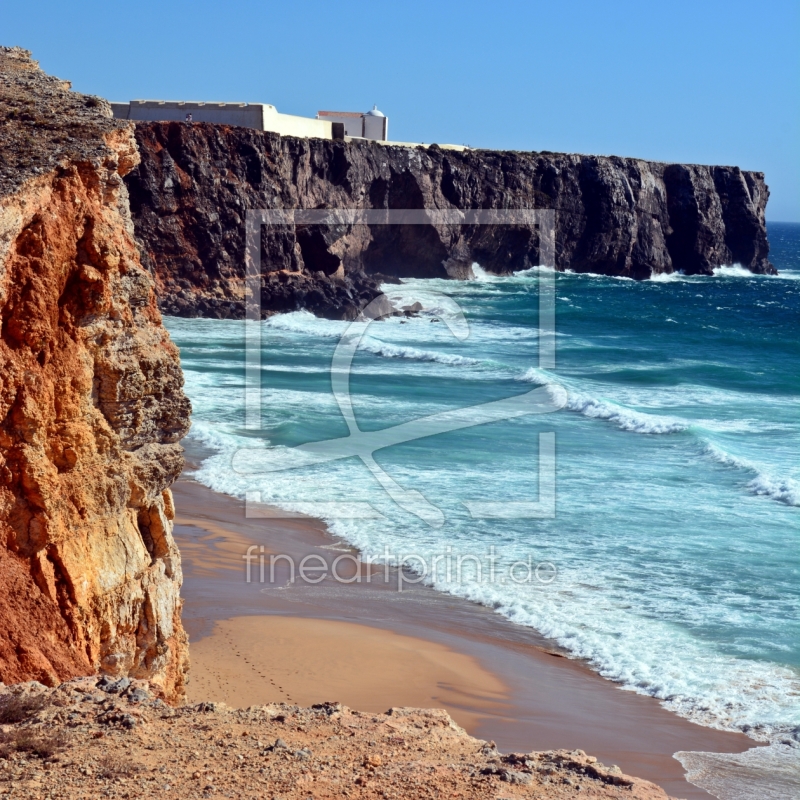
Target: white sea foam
[(483, 276), (733, 271), (668, 277), (768, 773), (582, 611), (305, 322), (729, 271), (533, 272), (388, 350), (787, 275), (763, 482), (224, 442), (598, 275), (595, 617), (647, 655), (625, 418), (784, 489), (653, 658), (687, 394)]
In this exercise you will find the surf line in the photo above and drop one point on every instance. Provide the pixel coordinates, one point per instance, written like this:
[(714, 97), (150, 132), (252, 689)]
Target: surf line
[(364, 444)]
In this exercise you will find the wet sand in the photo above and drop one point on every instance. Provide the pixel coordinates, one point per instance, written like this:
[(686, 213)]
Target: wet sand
[(501, 681)]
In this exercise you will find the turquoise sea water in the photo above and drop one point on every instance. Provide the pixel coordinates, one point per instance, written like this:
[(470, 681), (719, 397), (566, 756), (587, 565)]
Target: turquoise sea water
[(675, 547)]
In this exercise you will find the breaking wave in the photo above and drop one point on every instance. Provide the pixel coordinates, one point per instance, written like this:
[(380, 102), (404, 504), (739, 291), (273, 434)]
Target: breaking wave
[(624, 418), (784, 489), (387, 350)]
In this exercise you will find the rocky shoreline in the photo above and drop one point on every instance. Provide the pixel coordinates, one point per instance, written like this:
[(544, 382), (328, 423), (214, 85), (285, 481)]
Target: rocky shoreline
[(614, 216)]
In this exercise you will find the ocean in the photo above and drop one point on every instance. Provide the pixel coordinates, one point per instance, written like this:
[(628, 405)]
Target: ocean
[(671, 562)]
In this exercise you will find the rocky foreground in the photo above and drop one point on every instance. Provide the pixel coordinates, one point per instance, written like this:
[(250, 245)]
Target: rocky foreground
[(91, 738)]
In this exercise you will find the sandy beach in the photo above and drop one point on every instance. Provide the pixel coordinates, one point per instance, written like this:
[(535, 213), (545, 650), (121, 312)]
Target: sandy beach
[(269, 659), (371, 647)]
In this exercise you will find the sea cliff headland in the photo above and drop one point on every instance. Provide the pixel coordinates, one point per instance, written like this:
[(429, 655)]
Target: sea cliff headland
[(624, 217)]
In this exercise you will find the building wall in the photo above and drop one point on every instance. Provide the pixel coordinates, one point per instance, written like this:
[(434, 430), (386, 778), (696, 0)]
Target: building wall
[(290, 125), (246, 115), (376, 128), (353, 123), (120, 110), (260, 116)]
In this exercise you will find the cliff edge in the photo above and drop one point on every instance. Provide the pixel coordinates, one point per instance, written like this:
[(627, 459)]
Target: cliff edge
[(614, 216), (109, 739), (91, 402)]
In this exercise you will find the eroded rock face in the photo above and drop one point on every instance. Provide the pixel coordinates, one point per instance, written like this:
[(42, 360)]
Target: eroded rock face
[(91, 402), (614, 216)]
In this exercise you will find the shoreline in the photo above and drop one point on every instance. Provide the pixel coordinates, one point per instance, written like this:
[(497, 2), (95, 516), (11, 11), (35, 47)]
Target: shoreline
[(547, 701)]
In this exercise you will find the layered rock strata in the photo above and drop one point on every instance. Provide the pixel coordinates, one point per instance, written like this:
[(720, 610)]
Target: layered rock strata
[(614, 216), (91, 402)]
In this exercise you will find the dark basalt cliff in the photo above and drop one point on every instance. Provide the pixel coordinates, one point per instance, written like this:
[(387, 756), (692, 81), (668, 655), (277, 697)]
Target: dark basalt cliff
[(614, 216)]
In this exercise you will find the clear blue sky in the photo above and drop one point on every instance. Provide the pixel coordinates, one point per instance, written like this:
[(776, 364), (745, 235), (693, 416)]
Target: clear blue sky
[(700, 81)]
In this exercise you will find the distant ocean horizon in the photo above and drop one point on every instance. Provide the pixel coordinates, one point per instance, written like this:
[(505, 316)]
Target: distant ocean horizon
[(676, 539)]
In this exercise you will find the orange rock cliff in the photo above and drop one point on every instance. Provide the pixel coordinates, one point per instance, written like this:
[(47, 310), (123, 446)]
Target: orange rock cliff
[(91, 402)]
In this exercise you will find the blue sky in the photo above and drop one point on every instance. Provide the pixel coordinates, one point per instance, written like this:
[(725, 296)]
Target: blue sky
[(702, 81)]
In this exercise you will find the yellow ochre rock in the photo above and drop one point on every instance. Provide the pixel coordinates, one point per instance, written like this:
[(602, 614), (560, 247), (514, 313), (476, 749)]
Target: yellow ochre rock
[(92, 407)]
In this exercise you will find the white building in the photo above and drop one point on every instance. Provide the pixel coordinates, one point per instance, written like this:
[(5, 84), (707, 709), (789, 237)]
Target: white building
[(261, 116), (372, 125)]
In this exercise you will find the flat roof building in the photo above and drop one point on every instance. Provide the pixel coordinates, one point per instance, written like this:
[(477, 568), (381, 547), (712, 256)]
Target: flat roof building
[(261, 116), (372, 125)]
